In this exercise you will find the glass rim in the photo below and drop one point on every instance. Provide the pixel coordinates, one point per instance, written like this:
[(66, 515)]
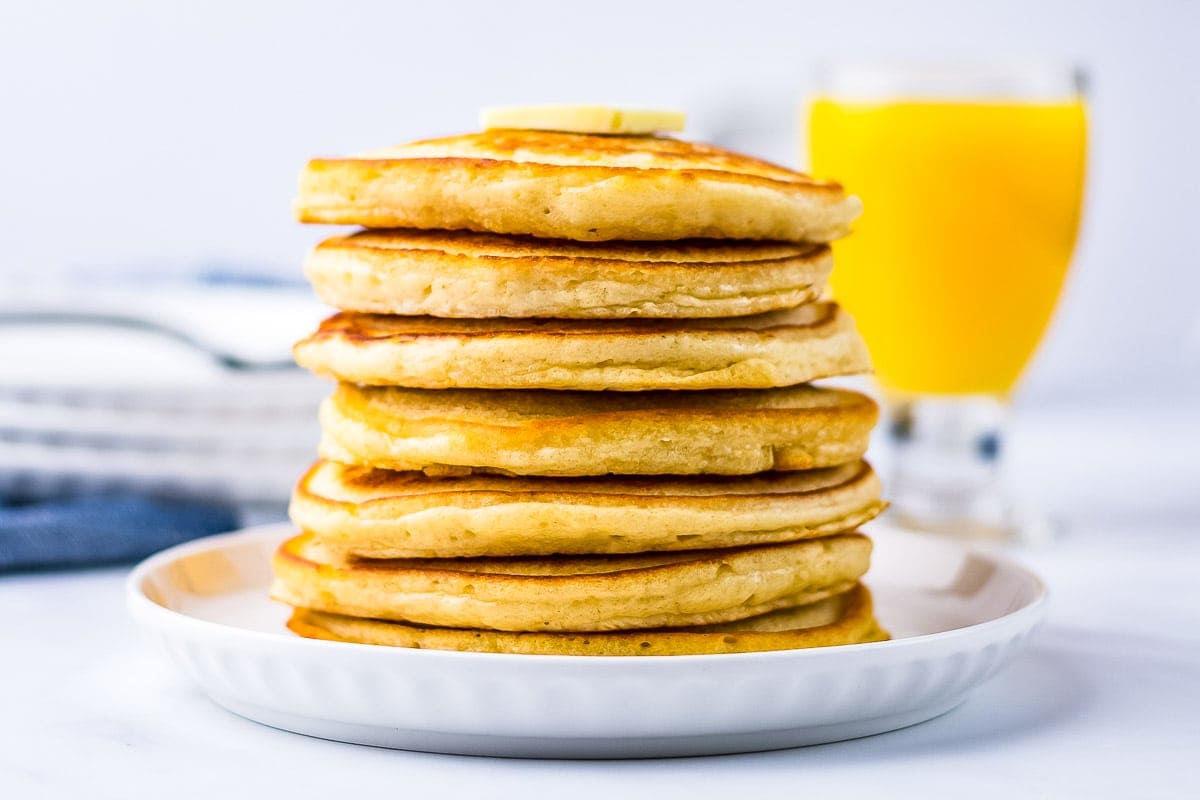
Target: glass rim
[(1030, 80)]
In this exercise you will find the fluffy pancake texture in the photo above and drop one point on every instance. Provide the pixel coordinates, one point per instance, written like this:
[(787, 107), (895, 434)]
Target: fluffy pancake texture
[(574, 186), (372, 513), (535, 432), (785, 348), (571, 593), (479, 275), (573, 412), (845, 618)]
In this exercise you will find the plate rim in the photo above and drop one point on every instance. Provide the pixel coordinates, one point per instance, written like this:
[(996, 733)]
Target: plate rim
[(146, 611)]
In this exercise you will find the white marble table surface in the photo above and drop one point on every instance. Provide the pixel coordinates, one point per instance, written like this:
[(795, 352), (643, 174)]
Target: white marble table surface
[(1104, 703)]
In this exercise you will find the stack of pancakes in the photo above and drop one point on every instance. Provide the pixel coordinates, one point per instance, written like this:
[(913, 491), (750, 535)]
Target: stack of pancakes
[(573, 414)]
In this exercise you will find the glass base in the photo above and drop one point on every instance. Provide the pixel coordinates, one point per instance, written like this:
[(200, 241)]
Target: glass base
[(946, 471), (1019, 527)]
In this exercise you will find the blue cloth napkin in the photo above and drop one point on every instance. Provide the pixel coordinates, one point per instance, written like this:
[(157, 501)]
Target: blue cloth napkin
[(102, 529)]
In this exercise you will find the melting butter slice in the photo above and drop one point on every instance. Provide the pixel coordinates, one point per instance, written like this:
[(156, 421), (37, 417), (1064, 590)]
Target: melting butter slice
[(584, 119)]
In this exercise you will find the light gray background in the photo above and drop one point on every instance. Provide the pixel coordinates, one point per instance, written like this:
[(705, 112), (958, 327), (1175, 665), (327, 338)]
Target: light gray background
[(169, 135)]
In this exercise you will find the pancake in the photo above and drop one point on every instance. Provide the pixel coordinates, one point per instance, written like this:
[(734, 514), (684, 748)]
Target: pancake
[(571, 593), (845, 618), (574, 186), (783, 348), (372, 513), (530, 432), (481, 275)]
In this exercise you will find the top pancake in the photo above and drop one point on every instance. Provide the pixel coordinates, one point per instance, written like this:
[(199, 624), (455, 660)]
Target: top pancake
[(574, 186)]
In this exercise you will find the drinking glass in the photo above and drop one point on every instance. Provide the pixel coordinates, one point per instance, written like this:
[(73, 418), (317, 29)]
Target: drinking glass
[(972, 182)]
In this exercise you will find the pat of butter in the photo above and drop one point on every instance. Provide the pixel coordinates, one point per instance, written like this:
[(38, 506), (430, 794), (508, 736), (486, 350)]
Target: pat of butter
[(584, 119)]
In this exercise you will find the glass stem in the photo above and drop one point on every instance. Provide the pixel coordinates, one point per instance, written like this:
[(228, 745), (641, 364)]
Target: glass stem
[(946, 467)]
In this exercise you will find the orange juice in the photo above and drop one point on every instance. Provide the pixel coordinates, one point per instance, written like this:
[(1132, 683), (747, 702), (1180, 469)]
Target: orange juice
[(971, 211)]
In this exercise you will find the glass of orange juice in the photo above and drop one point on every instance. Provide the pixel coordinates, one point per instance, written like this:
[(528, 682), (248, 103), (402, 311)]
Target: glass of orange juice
[(972, 182)]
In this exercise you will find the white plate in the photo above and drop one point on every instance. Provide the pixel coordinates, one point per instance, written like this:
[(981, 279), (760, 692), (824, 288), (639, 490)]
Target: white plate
[(956, 615)]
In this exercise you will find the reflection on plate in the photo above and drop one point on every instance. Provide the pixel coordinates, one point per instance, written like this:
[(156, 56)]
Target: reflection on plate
[(957, 616)]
